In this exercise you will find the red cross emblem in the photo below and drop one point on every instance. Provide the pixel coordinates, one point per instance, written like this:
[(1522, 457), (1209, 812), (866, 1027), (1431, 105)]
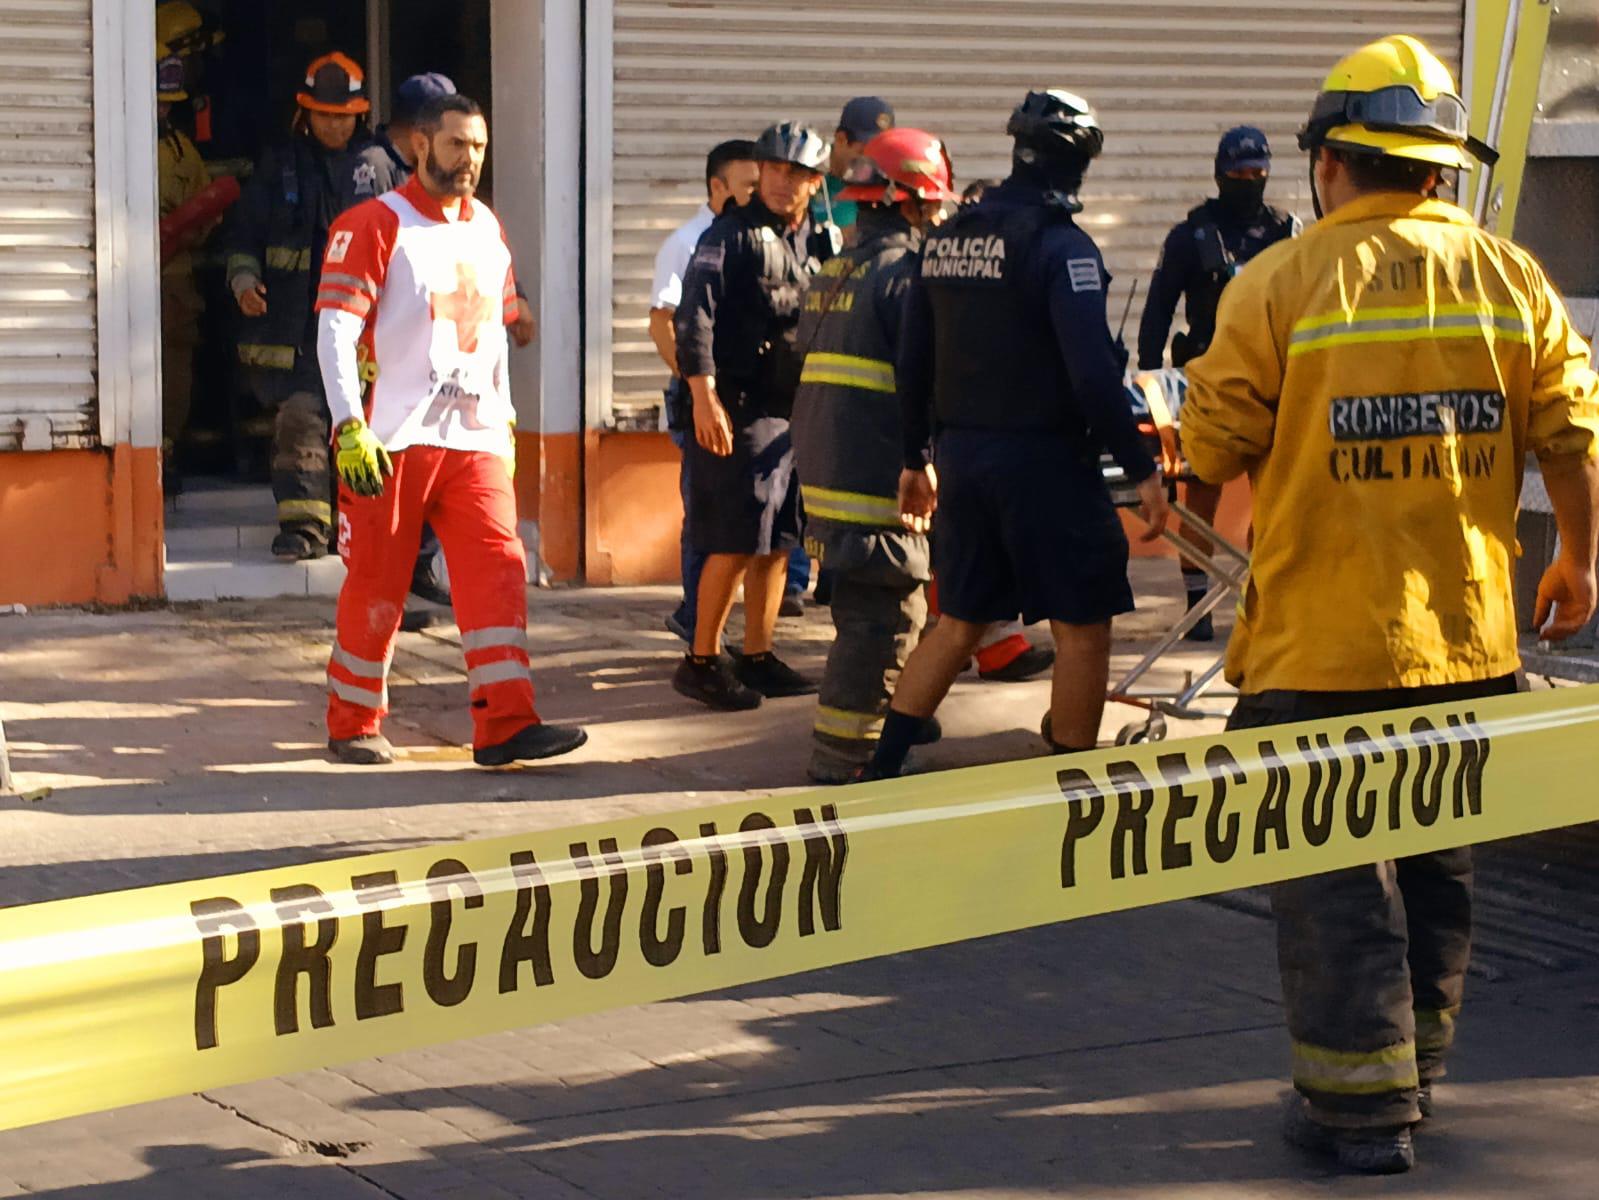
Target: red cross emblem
[(467, 307)]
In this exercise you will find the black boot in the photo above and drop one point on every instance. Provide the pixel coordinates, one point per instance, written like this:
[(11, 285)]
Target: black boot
[(1197, 585), (296, 543), (532, 743), (1388, 1151)]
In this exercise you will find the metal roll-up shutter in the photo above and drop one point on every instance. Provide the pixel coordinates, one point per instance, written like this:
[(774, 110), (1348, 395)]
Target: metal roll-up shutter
[(47, 324), (1167, 77)]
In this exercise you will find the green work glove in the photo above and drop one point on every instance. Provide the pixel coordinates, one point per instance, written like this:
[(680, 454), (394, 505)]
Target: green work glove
[(362, 460)]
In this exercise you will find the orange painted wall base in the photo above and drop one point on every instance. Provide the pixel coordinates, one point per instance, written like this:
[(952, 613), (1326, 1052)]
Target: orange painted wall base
[(80, 526), (633, 511), (549, 474)]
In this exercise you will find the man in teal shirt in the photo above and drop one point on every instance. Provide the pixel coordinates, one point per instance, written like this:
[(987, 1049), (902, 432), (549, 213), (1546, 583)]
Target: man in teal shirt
[(863, 119)]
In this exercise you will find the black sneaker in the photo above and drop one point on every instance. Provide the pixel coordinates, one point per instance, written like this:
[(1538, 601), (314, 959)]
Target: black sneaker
[(1032, 662), (1204, 630), (1368, 1151), (792, 605), (530, 743), (299, 544), (771, 676), (712, 683), (368, 750), (1424, 1100)]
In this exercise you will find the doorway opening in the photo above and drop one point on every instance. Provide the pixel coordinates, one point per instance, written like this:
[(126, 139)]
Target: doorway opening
[(240, 73)]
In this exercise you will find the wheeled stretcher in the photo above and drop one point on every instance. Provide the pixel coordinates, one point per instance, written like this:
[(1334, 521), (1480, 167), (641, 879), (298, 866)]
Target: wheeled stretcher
[(1156, 399)]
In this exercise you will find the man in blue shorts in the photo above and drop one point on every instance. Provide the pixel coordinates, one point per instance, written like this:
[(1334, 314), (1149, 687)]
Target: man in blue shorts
[(1007, 353)]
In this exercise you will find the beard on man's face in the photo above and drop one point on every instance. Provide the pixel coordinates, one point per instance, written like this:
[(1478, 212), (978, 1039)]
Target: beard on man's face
[(454, 181)]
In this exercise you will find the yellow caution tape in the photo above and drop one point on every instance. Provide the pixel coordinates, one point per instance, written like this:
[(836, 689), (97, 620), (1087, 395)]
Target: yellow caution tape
[(112, 999)]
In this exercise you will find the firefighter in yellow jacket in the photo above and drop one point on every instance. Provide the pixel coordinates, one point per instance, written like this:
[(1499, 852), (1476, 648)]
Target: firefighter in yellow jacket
[(1381, 380)]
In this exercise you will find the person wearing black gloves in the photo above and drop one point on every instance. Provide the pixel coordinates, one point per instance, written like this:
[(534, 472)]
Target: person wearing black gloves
[(1201, 255), (1007, 352)]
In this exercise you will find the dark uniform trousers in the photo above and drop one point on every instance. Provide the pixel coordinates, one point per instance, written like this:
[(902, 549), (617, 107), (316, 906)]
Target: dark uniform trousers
[(301, 461), (276, 237), (879, 608), (1373, 959)]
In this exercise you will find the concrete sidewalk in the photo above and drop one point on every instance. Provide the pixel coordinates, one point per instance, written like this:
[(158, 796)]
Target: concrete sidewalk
[(1138, 1055)]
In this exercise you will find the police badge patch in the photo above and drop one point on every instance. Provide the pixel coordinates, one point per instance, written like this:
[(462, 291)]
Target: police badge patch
[(1084, 274)]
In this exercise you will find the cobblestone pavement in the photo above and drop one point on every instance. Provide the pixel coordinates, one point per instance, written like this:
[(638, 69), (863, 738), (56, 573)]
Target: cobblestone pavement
[(1136, 1055)]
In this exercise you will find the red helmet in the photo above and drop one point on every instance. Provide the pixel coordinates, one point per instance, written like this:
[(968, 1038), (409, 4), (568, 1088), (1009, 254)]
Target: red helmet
[(898, 163)]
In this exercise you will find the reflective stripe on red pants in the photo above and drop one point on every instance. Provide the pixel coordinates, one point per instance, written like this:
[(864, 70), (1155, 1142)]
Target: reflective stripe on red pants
[(468, 499)]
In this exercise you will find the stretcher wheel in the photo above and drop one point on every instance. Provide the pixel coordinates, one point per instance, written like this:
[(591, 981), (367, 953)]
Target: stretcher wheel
[(1152, 730)]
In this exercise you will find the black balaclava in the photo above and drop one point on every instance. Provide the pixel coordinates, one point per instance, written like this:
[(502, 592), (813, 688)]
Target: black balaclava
[(1241, 199), (1059, 174)]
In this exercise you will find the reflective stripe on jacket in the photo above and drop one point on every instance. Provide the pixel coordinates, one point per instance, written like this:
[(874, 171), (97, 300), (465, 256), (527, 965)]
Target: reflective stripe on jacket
[(846, 425), (1381, 380), (277, 233)]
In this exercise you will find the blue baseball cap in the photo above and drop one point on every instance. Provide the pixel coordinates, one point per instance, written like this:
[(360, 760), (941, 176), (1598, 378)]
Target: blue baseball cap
[(412, 96), (1243, 148), (865, 117)]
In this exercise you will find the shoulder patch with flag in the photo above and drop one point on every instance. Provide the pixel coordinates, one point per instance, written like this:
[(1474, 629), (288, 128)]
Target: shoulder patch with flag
[(1084, 274)]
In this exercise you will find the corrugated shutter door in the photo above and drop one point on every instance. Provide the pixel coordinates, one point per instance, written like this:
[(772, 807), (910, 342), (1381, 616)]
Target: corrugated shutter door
[(1166, 78), (47, 326)]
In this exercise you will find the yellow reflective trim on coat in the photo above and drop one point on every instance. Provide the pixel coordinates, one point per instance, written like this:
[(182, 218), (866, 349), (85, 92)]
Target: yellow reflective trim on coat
[(1355, 1072), (848, 370), (279, 358), (1404, 312), (1407, 324), (1420, 333), (850, 508), (1419, 328), (852, 726), (288, 258)]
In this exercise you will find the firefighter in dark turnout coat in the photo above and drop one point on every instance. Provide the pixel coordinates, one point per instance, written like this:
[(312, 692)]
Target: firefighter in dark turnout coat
[(277, 242), (847, 444)]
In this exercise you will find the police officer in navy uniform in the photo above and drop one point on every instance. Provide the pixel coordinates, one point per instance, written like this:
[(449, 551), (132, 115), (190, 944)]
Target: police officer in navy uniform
[(1007, 354), (736, 353), (1201, 254)]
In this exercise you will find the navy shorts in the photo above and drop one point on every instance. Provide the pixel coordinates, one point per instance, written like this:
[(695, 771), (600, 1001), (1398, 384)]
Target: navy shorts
[(748, 502), (1026, 526)]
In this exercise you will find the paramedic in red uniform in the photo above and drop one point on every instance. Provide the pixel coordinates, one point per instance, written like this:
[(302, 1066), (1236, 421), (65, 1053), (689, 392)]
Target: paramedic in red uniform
[(415, 296)]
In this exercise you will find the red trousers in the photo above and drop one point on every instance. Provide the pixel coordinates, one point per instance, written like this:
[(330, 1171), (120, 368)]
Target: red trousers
[(467, 498)]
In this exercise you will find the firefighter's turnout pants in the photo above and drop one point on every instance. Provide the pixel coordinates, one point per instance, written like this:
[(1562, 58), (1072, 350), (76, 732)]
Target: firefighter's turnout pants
[(1373, 958), (879, 606), (301, 462), (467, 498)]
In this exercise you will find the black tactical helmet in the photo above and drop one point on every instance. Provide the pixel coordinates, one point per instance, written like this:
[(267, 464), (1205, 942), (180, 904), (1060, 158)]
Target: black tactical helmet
[(791, 142), (1058, 125)]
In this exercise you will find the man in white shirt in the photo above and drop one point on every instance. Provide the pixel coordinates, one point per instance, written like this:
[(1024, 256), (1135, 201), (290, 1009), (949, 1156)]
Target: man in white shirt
[(730, 176), (414, 299)]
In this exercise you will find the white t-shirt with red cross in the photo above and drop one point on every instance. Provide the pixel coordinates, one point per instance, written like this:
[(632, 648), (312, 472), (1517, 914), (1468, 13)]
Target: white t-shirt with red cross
[(413, 303)]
